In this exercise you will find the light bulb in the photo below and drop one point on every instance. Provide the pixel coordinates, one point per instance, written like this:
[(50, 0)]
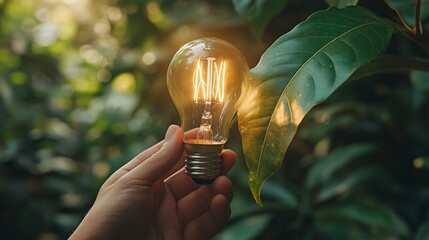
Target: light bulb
[(206, 79)]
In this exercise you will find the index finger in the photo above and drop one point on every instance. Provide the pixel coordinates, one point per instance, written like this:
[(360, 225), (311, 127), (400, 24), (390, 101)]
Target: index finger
[(141, 157)]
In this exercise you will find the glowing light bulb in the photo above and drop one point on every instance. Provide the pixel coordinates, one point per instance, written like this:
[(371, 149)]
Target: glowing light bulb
[(206, 79)]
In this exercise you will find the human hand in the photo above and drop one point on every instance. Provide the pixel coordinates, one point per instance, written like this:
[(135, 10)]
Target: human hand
[(151, 197)]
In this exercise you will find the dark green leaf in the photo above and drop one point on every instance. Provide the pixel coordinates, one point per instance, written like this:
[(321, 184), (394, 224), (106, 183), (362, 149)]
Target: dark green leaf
[(345, 184), (341, 3), (423, 232), (247, 228), (280, 193), (322, 170), (301, 69), (331, 118), (258, 13), (387, 63), (420, 80), (342, 230), (376, 217)]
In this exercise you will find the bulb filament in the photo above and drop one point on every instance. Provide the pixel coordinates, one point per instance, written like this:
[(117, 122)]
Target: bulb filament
[(208, 88)]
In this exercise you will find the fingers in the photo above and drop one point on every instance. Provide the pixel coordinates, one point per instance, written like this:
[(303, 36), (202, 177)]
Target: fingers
[(133, 163), (167, 220), (197, 202), (145, 155), (223, 186), (161, 162), (181, 184), (208, 224), (229, 160)]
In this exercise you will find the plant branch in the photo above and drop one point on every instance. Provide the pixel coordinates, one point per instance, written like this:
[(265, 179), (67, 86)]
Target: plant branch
[(418, 30), (415, 34), (388, 63), (398, 14)]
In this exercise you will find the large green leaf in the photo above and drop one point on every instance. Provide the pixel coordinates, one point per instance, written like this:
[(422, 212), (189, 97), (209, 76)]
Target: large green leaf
[(258, 13), (301, 69)]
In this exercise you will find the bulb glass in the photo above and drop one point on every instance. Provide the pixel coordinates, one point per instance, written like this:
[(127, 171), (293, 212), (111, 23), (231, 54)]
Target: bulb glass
[(206, 80)]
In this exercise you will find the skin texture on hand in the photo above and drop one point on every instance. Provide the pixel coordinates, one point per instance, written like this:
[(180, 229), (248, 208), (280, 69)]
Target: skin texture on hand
[(151, 197)]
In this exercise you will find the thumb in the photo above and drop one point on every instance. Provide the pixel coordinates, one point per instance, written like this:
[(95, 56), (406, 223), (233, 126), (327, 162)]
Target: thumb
[(157, 165)]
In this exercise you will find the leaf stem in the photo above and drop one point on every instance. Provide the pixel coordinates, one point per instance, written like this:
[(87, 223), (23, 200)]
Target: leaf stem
[(418, 30), (388, 63), (415, 34), (398, 14)]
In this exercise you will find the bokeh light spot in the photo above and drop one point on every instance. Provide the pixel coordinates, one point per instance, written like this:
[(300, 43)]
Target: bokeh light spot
[(155, 14), (149, 58), (100, 169), (124, 83), (418, 162)]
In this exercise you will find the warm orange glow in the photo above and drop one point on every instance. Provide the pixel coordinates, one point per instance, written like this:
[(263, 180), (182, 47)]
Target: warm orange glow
[(210, 86), (202, 142)]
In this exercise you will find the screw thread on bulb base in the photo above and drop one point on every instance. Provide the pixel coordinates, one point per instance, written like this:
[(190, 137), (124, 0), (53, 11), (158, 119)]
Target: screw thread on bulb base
[(203, 162)]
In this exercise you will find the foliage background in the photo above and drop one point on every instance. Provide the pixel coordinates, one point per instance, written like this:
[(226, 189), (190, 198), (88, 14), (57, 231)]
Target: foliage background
[(82, 90)]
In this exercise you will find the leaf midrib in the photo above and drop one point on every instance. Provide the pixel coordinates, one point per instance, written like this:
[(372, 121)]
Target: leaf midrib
[(294, 76)]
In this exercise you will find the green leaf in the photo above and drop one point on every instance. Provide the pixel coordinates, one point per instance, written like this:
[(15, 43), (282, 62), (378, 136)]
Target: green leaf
[(375, 216), (246, 228), (388, 63), (322, 170), (280, 193), (342, 230), (301, 69), (341, 3), (420, 80), (423, 231), (258, 13), (346, 184), (330, 118)]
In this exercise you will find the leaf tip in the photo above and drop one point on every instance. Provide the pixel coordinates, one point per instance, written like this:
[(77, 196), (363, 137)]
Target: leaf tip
[(255, 188)]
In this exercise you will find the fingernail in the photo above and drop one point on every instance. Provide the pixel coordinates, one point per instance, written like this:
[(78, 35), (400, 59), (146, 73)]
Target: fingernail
[(170, 132)]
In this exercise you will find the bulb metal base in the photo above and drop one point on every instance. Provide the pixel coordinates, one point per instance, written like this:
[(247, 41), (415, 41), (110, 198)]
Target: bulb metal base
[(203, 162)]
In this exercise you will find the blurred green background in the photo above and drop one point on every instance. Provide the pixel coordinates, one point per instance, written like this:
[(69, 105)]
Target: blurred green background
[(82, 90)]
